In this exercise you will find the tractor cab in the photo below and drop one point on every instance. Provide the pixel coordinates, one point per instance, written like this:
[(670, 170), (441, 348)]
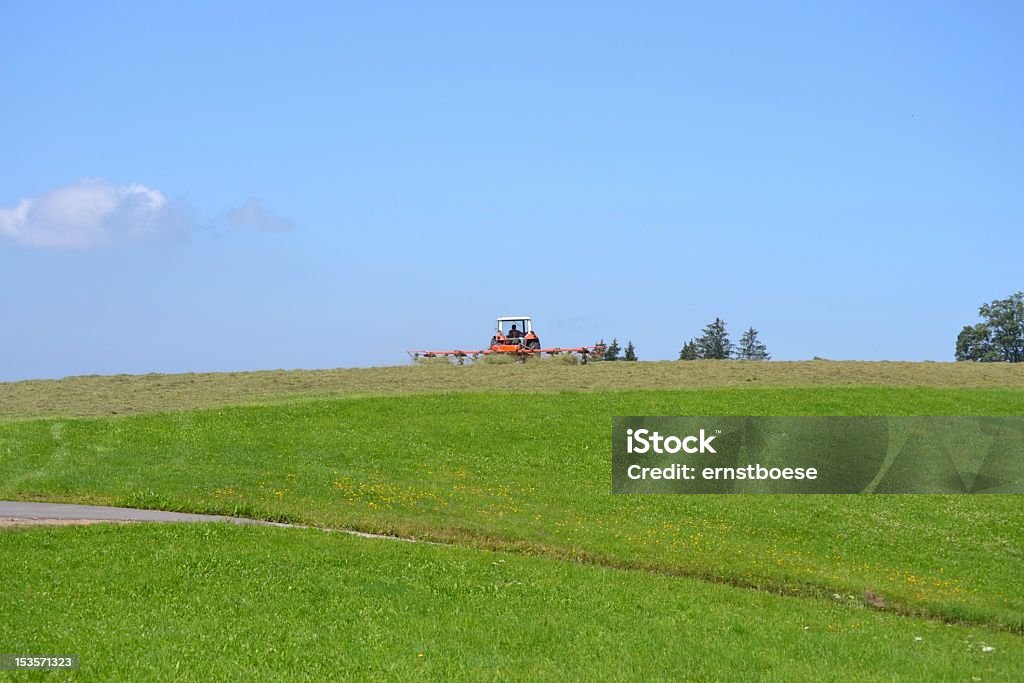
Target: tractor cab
[(513, 333)]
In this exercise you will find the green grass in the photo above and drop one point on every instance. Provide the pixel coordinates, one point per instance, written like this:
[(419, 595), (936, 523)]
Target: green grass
[(219, 602), (531, 473), (133, 394)]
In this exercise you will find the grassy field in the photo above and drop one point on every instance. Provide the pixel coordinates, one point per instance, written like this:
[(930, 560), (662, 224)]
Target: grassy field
[(95, 396), (219, 602), (528, 473), (531, 474)]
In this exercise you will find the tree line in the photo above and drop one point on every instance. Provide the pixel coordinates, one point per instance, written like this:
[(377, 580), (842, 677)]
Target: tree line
[(714, 343), (999, 337), (614, 352)]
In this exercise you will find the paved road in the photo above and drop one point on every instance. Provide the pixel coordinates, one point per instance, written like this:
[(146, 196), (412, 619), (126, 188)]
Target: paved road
[(12, 512)]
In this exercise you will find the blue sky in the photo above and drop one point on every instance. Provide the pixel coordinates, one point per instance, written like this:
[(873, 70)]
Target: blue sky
[(196, 186)]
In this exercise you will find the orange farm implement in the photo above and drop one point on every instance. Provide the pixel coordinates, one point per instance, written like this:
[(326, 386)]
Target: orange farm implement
[(514, 335)]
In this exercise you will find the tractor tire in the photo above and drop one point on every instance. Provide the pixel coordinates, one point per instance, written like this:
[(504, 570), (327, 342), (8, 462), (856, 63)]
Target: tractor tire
[(494, 340), (533, 344)]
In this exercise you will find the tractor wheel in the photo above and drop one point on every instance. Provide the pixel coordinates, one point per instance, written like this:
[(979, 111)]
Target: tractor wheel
[(533, 344), (494, 340)]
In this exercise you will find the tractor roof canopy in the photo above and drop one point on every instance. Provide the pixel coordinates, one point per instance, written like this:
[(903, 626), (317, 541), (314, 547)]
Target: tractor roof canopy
[(522, 320)]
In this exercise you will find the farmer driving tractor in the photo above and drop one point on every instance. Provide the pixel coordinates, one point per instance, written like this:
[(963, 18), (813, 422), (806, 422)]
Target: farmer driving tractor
[(518, 341)]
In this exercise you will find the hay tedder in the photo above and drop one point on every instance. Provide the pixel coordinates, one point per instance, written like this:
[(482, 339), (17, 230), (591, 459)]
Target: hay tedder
[(514, 336)]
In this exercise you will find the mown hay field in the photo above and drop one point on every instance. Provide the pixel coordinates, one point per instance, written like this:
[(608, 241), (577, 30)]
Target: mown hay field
[(95, 395)]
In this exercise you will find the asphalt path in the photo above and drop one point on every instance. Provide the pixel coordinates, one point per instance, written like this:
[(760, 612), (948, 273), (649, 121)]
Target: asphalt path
[(13, 513), (40, 513)]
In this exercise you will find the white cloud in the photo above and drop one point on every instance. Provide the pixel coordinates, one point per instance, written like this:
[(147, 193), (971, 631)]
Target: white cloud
[(254, 215), (91, 213), (95, 213)]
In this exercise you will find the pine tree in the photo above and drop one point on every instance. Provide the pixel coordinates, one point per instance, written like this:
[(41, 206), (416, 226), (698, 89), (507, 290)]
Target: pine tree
[(751, 347), (689, 351), (612, 352), (630, 351), (714, 343)]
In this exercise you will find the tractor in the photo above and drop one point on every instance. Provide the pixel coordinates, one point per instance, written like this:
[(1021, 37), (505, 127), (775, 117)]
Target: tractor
[(513, 335)]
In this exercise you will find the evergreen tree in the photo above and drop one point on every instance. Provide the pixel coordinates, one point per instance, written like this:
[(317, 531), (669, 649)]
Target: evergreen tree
[(612, 352), (751, 347), (689, 351), (714, 342), (630, 351)]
